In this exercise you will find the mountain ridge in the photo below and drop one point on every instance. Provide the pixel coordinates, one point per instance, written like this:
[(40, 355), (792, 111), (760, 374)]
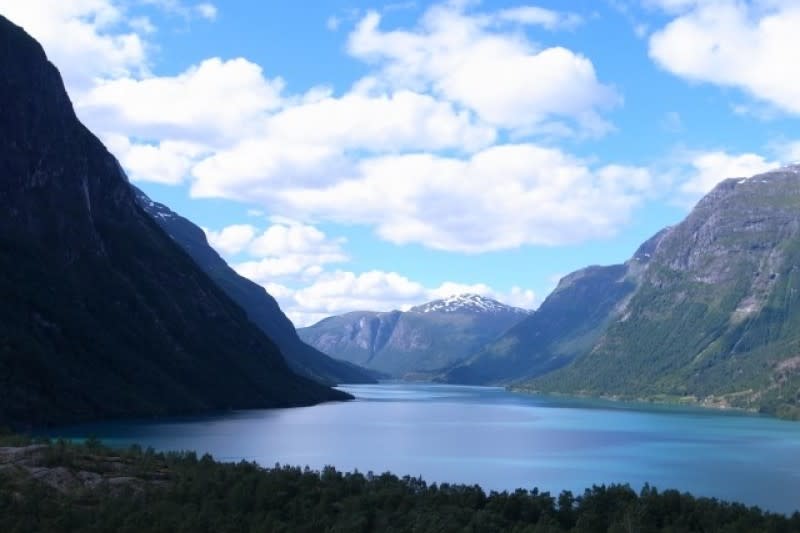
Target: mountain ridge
[(262, 309), (465, 302), (711, 314), (416, 343), (101, 313)]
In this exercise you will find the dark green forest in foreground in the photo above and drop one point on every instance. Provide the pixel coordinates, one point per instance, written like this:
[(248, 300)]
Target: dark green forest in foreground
[(67, 487)]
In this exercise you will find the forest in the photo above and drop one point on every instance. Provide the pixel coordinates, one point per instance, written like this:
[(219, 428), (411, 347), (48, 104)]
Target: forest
[(137, 490)]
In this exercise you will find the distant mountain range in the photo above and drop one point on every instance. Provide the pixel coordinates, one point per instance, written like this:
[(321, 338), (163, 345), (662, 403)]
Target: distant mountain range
[(112, 305), (261, 308), (418, 343), (706, 311), (102, 314)]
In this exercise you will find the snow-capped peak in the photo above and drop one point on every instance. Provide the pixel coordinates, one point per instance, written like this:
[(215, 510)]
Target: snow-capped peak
[(474, 303)]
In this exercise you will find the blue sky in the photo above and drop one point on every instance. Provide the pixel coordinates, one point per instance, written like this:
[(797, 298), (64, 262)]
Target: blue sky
[(366, 155)]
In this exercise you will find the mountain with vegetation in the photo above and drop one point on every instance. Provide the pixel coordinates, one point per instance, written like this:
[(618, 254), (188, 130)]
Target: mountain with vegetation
[(707, 311), (102, 314), (260, 306), (567, 322), (419, 342), (716, 314)]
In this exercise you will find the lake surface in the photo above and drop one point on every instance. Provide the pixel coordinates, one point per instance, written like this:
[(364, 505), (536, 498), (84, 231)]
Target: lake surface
[(500, 440)]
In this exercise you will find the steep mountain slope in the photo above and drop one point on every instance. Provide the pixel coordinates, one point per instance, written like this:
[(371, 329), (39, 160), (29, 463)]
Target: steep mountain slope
[(716, 314), (101, 313), (423, 340), (564, 327), (261, 308)]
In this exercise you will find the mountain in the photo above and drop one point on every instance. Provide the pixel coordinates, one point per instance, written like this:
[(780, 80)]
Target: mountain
[(101, 313), (420, 341), (567, 322), (261, 308), (707, 311)]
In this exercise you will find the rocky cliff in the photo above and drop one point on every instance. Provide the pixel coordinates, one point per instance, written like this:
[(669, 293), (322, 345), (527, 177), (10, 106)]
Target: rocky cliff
[(101, 313)]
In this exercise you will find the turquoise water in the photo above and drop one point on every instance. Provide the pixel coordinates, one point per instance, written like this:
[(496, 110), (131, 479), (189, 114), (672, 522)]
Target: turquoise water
[(499, 440)]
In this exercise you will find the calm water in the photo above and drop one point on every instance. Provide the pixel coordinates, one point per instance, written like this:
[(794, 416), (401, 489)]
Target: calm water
[(500, 440)]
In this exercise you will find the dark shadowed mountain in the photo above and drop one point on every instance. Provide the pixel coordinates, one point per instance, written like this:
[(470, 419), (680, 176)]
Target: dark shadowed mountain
[(416, 343), (261, 308), (102, 314)]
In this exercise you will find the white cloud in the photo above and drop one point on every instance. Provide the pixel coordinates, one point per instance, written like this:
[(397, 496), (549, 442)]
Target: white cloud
[(231, 239), (206, 10), (290, 260), (295, 250), (752, 45), (186, 10), (380, 121), (284, 250), (166, 162), (281, 239), (410, 149), (706, 169), (212, 102), (82, 38), (142, 25), (341, 292), (499, 198), (538, 16), (507, 80)]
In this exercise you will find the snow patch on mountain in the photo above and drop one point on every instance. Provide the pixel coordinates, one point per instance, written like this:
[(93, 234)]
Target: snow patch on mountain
[(466, 303)]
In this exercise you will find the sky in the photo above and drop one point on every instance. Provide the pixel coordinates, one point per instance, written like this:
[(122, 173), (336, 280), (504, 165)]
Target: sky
[(366, 155)]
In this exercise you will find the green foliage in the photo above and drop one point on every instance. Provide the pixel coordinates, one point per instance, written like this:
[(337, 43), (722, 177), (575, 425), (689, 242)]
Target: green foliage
[(566, 326), (205, 496), (715, 318)]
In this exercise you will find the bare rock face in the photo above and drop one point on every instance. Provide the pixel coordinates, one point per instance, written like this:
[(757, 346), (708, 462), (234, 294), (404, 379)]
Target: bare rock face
[(71, 471), (101, 313)]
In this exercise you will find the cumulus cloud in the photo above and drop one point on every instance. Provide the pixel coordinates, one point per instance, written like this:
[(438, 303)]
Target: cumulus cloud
[(286, 249), (751, 45), (231, 239), (82, 37), (165, 162), (341, 292), (501, 197), (289, 260), (214, 101), (699, 172), (507, 80), (410, 149)]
